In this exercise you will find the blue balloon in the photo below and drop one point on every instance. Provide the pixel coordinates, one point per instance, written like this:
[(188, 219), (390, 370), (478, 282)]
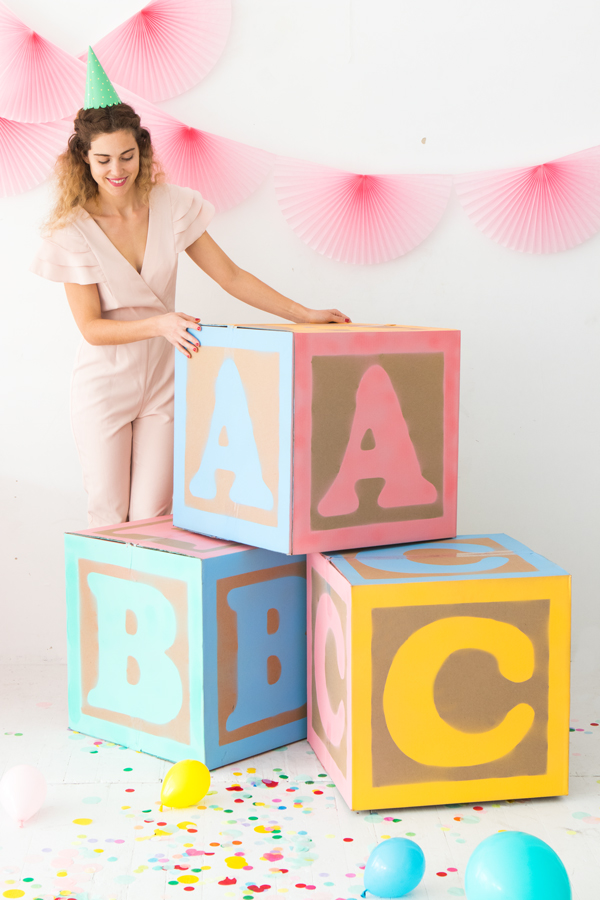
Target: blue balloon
[(394, 868), (513, 865)]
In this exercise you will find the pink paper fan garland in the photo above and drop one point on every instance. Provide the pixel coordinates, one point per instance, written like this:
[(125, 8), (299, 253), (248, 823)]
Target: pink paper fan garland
[(167, 47), (539, 209), (28, 152), (348, 217), (39, 82), (225, 172), (359, 218)]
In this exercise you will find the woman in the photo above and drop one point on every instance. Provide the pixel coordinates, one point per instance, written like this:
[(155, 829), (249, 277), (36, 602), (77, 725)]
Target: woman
[(113, 239)]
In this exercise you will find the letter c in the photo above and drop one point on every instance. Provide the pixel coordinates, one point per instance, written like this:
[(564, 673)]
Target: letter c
[(328, 619), (408, 697)]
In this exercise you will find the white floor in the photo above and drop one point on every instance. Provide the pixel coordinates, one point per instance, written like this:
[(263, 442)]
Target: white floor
[(100, 835)]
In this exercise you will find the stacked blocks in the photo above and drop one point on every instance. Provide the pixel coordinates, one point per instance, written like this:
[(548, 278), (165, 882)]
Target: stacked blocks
[(439, 672), (309, 438), (185, 646)]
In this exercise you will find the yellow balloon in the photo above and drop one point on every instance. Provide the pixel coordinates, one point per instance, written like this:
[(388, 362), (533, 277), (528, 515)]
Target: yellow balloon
[(185, 784)]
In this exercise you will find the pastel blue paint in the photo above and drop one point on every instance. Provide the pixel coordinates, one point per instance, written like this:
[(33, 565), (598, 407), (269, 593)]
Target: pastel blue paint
[(291, 605), (158, 695), (240, 454), (132, 559), (128, 718), (256, 698), (394, 560), (230, 527)]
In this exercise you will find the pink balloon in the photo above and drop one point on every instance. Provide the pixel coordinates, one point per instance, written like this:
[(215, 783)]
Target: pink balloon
[(22, 792)]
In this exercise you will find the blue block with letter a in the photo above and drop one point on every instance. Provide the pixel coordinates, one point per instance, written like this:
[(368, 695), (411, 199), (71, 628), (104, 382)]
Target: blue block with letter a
[(184, 646)]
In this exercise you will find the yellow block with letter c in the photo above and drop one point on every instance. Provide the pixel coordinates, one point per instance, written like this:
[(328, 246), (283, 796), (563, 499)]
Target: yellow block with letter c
[(411, 715), (399, 691)]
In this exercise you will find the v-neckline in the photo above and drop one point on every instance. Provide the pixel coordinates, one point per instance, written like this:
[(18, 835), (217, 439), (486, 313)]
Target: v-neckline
[(116, 249)]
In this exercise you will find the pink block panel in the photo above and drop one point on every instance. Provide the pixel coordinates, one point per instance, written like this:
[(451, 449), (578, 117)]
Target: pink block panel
[(329, 696), (375, 437)]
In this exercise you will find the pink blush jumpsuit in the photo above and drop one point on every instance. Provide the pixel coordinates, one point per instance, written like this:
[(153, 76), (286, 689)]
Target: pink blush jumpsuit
[(122, 394)]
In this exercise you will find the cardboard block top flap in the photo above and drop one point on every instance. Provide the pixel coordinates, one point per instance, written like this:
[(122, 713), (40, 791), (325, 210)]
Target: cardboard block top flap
[(161, 534), (300, 328), (465, 557)]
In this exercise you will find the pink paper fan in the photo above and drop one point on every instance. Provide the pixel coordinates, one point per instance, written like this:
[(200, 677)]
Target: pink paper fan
[(359, 218), (39, 82), (225, 172), (539, 209), (167, 47), (28, 152)]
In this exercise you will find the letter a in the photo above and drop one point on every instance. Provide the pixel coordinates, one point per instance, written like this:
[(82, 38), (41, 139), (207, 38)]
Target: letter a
[(393, 457), (240, 456)]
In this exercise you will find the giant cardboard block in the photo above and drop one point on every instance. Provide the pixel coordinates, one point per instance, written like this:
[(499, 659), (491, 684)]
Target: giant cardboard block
[(439, 672), (185, 646), (306, 438)]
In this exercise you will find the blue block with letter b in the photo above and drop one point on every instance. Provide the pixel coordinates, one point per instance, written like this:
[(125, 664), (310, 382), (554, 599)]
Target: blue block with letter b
[(185, 646)]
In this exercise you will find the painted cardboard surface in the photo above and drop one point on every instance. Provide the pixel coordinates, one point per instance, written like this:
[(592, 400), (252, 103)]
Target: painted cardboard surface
[(460, 682), (464, 557), (160, 534), (463, 693), (247, 380), (233, 404), (329, 632), (469, 692), (133, 619), (375, 435), (184, 657), (128, 637), (365, 400), (254, 654), (416, 441)]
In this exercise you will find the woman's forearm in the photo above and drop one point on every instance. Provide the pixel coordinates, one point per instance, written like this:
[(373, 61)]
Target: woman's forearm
[(84, 301), (98, 331), (249, 289)]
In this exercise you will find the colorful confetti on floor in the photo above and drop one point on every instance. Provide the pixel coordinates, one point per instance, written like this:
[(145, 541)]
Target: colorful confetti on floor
[(272, 825)]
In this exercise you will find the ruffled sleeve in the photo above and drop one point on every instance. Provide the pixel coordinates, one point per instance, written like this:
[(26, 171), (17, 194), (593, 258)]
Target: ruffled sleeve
[(66, 256), (191, 215)]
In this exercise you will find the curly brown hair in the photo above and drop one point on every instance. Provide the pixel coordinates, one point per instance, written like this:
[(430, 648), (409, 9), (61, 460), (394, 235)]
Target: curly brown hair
[(73, 182)]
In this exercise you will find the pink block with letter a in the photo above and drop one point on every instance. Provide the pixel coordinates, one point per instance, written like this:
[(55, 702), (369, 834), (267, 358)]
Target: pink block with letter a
[(375, 435), (349, 437)]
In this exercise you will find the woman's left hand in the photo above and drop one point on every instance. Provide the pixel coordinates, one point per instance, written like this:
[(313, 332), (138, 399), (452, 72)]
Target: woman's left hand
[(323, 316)]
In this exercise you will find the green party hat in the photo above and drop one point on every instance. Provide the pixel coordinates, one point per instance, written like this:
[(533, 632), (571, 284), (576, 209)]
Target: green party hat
[(99, 92)]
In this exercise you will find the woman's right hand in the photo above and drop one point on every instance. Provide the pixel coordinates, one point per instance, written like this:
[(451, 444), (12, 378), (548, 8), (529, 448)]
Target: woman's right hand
[(173, 326)]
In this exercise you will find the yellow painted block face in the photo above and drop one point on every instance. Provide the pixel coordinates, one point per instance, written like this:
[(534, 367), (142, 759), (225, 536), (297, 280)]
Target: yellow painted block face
[(458, 687), (412, 718)]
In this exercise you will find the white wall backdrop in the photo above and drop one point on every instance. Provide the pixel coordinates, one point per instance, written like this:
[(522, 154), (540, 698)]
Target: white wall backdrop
[(356, 84)]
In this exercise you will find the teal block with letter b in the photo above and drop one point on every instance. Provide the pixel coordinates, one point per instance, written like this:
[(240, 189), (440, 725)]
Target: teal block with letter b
[(184, 646)]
